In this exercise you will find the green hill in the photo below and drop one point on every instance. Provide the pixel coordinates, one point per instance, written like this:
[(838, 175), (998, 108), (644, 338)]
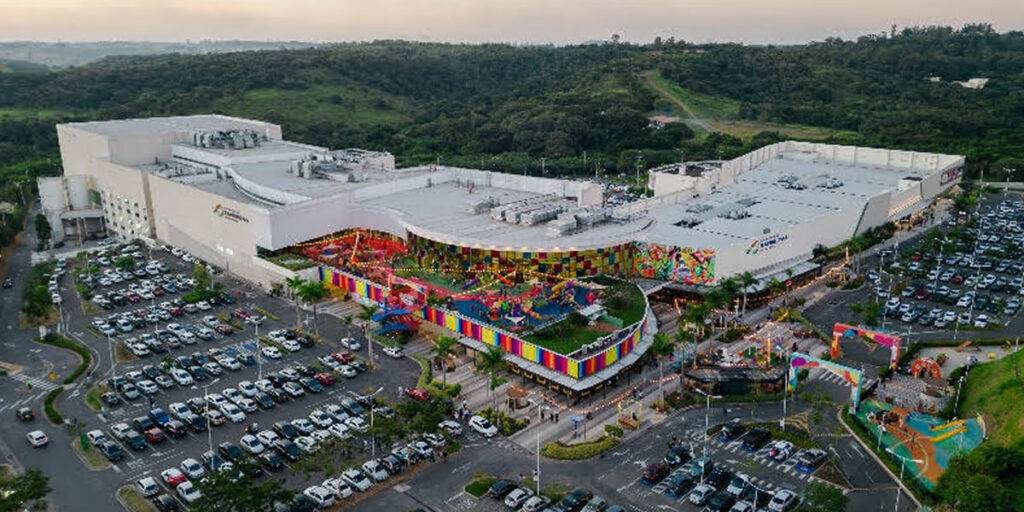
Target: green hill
[(996, 391)]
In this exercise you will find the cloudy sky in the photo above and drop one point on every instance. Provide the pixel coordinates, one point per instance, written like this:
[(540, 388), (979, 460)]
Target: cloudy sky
[(522, 21)]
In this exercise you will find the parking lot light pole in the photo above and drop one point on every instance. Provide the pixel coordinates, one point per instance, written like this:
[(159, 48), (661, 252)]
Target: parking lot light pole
[(903, 466), (537, 471), (373, 438), (209, 428), (707, 426)]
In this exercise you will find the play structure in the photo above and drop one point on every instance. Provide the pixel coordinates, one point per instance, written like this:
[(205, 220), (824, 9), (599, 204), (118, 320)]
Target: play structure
[(920, 436), (398, 311), (854, 378), (926, 365), (849, 332)]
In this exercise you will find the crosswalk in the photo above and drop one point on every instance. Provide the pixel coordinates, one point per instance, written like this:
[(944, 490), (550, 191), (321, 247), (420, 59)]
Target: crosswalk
[(34, 382), (716, 446), (821, 375)]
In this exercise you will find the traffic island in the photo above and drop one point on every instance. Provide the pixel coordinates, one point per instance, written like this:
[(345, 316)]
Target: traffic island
[(132, 501), (90, 456), (580, 451)]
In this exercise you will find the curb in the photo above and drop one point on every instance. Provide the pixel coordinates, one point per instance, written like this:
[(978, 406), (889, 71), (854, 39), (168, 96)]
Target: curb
[(874, 456)]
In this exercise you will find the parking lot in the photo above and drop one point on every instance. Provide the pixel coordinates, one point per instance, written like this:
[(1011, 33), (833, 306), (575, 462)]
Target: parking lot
[(193, 379), (965, 279)]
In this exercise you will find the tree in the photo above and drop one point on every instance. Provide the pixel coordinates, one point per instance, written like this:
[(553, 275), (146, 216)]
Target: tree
[(491, 362), (662, 346), (18, 491), (43, 231), (294, 283), (747, 280), (442, 349), (227, 491), (696, 315), (202, 277), (124, 262), (868, 313), (312, 292), (821, 497)]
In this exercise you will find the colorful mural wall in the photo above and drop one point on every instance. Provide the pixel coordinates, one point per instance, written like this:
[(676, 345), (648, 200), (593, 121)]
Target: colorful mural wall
[(488, 335), (670, 263), (854, 378), (889, 341), (613, 260)]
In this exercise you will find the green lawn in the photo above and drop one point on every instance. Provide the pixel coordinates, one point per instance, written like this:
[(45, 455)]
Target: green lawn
[(992, 389), (722, 114), (355, 104)]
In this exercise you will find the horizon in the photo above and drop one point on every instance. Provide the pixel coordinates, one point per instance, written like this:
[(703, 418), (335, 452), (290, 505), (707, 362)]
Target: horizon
[(533, 22)]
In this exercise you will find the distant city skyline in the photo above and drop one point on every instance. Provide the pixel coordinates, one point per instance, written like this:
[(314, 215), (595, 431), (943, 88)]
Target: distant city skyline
[(511, 21)]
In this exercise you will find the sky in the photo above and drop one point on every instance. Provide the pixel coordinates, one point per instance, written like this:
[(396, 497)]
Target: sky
[(511, 21)]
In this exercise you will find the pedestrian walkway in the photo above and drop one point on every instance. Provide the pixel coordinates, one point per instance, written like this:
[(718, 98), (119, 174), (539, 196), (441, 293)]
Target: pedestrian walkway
[(34, 382)]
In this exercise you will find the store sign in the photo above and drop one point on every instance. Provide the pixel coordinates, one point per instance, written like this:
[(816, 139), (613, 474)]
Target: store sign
[(950, 176), (229, 213), (766, 242)]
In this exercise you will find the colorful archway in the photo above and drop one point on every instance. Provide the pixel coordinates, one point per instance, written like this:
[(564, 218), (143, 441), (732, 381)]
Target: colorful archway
[(853, 377), (848, 331)]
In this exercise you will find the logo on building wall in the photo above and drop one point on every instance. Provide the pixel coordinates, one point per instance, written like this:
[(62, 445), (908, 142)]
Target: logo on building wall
[(766, 242), (229, 213), (950, 175)]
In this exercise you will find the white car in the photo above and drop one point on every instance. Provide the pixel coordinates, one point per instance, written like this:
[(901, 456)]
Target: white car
[(96, 437), (483, 427), (120, 431), (37, 438), (232, 412), (306, 443), (216, 399), (267, 437), (182, 377), (232, 394), (742, 506), (339, 430), (375, 470), (323, 497), (248, 388), (517, 497), (291, 345), (357, 424), (452, 427), (248, 405), (230, 363), (263, 385), (320, 418), (351, 344), (188, 492), (251, 444), (270, 352), (981, 321), (179, 410), (338, 486), (534, 504), (356, 479), (701, 494), (782, 500), (320, 435), (348, 372), (192, 469), (147, 487), (394, 352), (303, 425)]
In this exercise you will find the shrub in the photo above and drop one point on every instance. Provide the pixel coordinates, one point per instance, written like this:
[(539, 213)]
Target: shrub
[(506, 424), (614, 430), (580, 451), (51, 411)]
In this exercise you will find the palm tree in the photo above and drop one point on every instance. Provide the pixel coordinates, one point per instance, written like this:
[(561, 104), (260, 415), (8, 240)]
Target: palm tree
[(661, 346), (312, 292), (696, 314), (293, 284), (491, 362), (747, 280), (442, 349)]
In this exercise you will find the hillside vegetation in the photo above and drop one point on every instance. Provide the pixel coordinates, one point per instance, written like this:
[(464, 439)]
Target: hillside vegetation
[(584, 109)]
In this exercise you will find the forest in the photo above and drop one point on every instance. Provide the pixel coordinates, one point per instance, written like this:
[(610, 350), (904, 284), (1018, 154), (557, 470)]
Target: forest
[(583, 109)]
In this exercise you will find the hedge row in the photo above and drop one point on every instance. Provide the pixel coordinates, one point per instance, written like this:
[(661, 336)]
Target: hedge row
[(59, 341), (579, 451)]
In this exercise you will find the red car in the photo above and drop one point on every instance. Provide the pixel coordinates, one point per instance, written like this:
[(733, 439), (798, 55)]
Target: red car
[(343, 357), (154, 435), (158, 292), (224, 329), (240, 314), (324, 378), (418, 394), (132, 297), (176, 312), (173, 477)]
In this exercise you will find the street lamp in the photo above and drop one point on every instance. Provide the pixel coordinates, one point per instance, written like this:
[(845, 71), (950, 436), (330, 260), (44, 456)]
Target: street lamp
[(373, 438), (206, 398), (903, 465), (537, 476), (707, 426)]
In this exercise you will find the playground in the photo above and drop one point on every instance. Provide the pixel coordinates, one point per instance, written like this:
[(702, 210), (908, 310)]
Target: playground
[(920, 436), (555, 312)]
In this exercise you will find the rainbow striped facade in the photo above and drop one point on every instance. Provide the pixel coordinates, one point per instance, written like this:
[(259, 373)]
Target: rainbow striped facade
[(490, 336)]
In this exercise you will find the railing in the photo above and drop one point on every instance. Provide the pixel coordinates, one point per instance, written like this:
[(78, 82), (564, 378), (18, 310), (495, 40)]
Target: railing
[(495, 337)]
